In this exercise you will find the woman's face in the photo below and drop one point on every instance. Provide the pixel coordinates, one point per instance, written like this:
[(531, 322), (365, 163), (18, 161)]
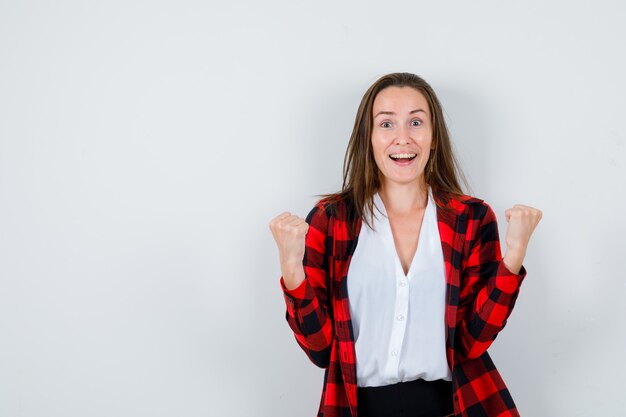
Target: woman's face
[(401, 135)]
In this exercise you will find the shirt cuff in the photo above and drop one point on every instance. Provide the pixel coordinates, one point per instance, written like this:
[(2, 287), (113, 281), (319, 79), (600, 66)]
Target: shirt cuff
[(507, 281), (294, 294)]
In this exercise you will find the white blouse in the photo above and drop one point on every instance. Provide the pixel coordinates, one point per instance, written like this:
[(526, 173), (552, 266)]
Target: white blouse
[(398, 320)]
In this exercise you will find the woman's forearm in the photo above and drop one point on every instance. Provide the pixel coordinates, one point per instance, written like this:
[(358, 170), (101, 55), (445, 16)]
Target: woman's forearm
[(513, 260), (293, 275)]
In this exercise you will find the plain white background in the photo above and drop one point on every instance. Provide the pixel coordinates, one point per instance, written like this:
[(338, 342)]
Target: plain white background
[(146, 145)]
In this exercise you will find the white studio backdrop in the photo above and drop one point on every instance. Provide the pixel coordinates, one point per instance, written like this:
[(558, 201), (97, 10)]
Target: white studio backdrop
[(146, 145)]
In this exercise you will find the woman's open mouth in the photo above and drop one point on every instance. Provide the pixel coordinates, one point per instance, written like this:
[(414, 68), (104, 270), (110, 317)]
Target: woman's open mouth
[(402, 159)]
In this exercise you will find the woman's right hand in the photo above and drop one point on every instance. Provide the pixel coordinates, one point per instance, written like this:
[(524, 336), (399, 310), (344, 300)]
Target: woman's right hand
[(289, 232)]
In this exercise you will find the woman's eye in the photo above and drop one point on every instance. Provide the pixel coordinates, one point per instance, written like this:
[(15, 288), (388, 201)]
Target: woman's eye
[(385, 124), (417, 122)]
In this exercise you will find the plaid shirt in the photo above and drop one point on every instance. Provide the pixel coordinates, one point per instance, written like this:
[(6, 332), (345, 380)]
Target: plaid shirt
[(480, 295)]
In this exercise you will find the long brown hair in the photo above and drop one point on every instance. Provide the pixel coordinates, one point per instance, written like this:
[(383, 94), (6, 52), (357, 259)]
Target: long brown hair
[(361, 176)]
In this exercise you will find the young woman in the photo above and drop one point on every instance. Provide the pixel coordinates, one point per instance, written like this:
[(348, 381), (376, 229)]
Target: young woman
[(396, 285)]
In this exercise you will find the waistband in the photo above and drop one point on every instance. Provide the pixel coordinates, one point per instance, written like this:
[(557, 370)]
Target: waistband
[(419, 398)]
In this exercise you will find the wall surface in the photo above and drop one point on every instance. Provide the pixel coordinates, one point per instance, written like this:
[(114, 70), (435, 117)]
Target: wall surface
[(146, 145)]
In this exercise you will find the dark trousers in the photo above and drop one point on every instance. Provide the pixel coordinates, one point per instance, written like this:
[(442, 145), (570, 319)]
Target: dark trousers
[(417, 398)]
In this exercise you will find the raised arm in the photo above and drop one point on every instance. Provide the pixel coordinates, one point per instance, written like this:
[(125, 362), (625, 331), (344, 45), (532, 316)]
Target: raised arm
[(488, 287), (305, 288)]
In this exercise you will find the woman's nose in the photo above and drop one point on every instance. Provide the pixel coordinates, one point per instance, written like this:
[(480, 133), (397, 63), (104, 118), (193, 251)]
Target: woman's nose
[(403, 136)]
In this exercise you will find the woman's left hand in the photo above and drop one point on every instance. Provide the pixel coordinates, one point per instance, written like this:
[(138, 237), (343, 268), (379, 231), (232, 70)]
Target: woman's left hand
[(522, 221)]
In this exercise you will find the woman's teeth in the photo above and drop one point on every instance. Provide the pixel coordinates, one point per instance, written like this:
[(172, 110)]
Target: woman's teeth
[(398, 156)]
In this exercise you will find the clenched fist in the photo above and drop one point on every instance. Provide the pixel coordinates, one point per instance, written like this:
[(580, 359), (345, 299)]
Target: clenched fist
[(522, 221), (289, 232)]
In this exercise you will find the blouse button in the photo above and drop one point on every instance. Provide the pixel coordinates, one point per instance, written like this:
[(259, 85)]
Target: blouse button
[(403, 283)]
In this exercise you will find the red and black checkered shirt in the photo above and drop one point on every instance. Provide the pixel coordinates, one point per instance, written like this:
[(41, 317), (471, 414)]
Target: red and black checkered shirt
[(480, 295)]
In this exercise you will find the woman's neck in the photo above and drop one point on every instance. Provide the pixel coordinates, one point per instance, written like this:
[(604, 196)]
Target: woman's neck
[(404, 198)]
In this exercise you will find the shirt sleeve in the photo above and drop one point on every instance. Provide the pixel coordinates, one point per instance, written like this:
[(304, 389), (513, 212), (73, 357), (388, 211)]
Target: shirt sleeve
[(488, 288), (307, 304)]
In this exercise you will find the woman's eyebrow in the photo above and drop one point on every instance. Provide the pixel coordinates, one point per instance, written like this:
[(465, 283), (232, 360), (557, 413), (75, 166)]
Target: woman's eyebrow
[(392, 113)]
